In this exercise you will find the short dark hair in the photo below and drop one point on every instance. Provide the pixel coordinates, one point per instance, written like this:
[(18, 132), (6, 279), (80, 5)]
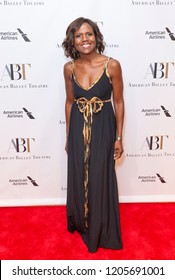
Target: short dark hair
[(68, 43)]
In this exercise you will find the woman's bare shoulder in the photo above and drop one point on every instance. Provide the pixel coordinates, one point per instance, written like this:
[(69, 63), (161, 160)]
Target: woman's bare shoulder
[(68, 68), (114, 63), (68, 65), (114, 67)]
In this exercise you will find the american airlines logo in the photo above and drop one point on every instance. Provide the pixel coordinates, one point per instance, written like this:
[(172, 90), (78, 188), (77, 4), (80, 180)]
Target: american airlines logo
[(14, 35), (23, 182), (29, 114), (32, 181), (151, 178), (155, 112), (17, 114), (160, 34), (160, 178), (24, 36), (171, 34), (166, 112)]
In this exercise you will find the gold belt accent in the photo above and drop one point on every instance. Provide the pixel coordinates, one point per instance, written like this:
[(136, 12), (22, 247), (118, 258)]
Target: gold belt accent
[(87, 108)]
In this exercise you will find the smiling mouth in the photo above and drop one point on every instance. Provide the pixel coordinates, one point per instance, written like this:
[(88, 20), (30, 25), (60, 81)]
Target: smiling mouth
[(85, 46)]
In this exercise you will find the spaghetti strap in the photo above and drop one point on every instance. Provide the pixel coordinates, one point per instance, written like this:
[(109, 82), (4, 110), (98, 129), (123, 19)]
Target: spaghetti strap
[(72, 66), (106, 68), (106, 63)]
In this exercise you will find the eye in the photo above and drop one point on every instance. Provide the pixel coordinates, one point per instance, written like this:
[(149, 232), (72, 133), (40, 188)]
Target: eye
[(90, 34), (78, 36)]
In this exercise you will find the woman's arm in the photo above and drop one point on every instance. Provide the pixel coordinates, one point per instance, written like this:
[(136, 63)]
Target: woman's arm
[(115, 73), (69, 97)]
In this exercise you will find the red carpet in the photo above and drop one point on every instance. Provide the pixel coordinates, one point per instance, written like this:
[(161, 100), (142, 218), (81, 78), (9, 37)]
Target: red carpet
[(39, 233)]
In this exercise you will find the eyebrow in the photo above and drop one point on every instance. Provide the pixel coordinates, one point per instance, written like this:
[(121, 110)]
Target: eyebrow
[(85, 32)]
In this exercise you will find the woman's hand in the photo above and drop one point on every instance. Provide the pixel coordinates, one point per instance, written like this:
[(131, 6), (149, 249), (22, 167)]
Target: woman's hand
[(66, 147), (118, 149)]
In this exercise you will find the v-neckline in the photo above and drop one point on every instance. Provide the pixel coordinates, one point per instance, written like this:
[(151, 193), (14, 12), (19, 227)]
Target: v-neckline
[(93, 84)]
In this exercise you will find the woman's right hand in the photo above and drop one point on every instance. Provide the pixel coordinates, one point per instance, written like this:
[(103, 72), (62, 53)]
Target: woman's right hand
[(66, 147)]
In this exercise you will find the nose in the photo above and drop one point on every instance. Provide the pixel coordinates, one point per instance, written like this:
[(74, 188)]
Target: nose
[(84, 37)]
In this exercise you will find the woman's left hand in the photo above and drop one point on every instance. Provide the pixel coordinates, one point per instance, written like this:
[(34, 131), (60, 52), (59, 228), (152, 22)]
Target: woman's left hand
[(118, 149)]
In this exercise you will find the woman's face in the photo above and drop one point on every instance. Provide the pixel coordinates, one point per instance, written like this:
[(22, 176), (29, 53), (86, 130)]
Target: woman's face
[(84, 39)]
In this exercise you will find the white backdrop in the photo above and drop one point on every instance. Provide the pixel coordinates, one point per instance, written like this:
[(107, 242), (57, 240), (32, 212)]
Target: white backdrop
[(140, 34)]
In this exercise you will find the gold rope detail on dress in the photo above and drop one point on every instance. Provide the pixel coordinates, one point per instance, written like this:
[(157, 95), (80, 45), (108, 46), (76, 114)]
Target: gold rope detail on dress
[(87, 108)]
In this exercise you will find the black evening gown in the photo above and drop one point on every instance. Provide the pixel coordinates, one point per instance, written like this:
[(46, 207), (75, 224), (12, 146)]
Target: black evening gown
[(100, 226)]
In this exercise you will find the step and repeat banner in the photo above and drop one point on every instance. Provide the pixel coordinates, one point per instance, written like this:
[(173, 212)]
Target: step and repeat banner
[(33, 162)]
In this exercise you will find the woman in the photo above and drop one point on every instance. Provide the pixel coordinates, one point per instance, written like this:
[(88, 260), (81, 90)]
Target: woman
[(94, 136)]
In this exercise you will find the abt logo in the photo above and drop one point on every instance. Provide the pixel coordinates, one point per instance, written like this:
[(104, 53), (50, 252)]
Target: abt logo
[(155, 142), (15, 72), (160, 70), (21, 145)]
